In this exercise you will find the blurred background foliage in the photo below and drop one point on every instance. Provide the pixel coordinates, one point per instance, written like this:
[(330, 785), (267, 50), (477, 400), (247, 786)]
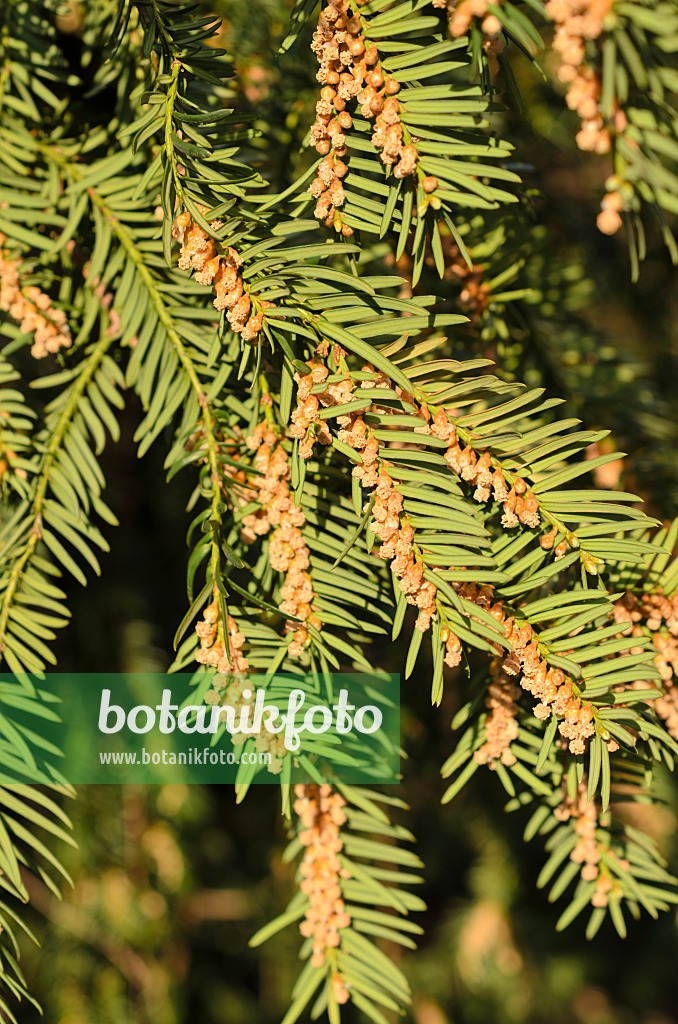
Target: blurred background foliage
[(169, 882)]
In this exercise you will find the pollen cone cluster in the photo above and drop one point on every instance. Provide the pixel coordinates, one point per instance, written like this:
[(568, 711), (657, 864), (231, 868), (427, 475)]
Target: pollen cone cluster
[(461, 13), (350, 72), (588, 850), (523, 663), (519, 504), (288, 550), (220, 649), (306, 414), (388, 525), (199, 253), (659, 614), (378, 100), (501, 727), (321, 813), (32, 310), (309, 428), (551, 688), (238, 694), (578, 22), (397, 536)]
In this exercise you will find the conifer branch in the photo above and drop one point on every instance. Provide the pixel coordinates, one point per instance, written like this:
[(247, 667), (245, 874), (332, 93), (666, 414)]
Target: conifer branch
[(33, 525)]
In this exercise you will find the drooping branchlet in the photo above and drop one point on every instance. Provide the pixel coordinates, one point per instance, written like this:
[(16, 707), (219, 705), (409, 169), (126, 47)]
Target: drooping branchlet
[(321, 813)]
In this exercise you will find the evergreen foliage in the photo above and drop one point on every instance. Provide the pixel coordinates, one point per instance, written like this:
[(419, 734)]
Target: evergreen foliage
[(308, 335)]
